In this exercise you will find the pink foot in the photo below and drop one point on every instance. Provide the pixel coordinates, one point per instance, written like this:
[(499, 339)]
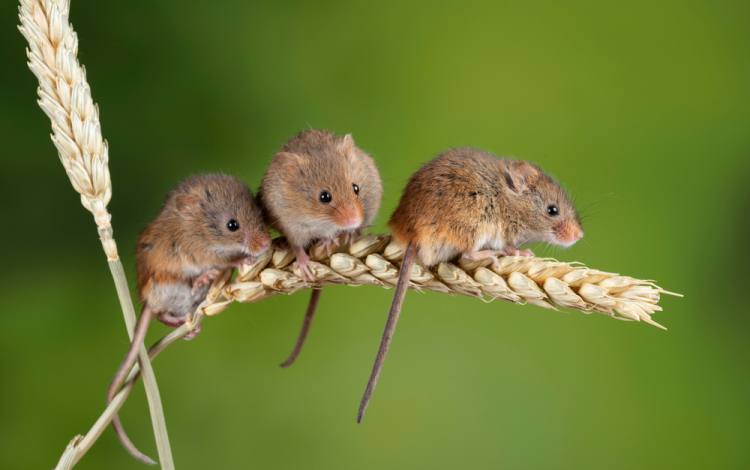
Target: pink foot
[(512, 251), (485, 254), (173, 321), (327, 243), (204, 279), (303, 263), (349, 237), (193, 333), (248, 261)]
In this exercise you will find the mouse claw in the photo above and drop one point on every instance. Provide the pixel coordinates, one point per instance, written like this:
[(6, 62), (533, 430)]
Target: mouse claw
[(328, 243), (512, 251), (351, 235), (303, 264), (307, 275), (484, 254), (204, 279), (249, 260), (170, 320), (193, 333)]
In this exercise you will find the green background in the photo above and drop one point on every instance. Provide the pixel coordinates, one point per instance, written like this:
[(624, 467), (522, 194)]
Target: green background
[(642, 106)]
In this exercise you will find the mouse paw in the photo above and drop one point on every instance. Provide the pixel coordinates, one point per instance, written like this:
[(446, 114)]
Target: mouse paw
[(248, 260), (204, 279), (303, 263), (327, 243), (170, 320), (307, 275), (351, 235), (512, 251), (193, 333), (484, 254)]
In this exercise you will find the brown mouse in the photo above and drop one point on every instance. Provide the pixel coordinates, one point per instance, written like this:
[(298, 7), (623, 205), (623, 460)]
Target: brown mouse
[(471, 203), (207, 224), (319, 187)]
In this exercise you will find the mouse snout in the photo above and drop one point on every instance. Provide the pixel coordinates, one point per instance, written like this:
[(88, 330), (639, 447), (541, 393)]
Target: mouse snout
[(258, 243), (349, 217), (567, 233)]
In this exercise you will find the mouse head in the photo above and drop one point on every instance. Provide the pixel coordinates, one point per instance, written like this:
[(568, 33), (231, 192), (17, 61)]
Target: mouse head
[(322, 177), (545, 209), (219, 212)]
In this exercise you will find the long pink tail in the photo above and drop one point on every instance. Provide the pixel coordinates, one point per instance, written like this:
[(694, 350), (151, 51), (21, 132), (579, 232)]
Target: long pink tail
[(311, 307), (390, 327), (119, 378)]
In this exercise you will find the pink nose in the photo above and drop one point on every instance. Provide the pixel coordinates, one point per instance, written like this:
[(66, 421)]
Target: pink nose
[(354, 221), (577, 235), (348, 217), (257, 246)]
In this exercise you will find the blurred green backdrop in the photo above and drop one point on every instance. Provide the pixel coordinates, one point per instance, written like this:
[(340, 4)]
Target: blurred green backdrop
[(644, 105)]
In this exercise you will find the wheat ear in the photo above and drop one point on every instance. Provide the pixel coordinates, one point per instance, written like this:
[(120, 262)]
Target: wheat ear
[(65, 97), (375, 260)]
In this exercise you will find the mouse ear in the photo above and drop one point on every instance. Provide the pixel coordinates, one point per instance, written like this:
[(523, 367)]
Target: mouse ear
[(347, 144), (188, 205), (287, 158), (521, 177), (290, 161)]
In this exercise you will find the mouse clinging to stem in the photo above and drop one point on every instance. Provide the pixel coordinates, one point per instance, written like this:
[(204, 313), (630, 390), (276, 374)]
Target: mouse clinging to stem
[(319, 188), (208, 223), (470, 203)]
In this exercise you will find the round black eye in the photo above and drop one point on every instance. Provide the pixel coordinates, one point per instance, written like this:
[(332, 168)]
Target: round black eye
[(233, 225), (356, 188), (325, 197), (553, 211)]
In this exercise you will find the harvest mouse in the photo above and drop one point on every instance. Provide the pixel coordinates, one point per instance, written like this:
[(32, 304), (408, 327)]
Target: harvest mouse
[(319, 187), (472, 203), (207, 224)]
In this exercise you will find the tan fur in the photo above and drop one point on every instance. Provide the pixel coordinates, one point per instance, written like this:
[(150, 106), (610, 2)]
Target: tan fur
[(187, 242), (313, 161), (466, 200), (189, 237)]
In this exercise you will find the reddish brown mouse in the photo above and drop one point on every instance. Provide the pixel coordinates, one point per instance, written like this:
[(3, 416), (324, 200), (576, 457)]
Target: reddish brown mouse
[(471, 203), (319, 187), (207, 224)]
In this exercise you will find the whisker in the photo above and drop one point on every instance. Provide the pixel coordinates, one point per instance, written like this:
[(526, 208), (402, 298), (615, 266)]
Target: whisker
[(594, 201)]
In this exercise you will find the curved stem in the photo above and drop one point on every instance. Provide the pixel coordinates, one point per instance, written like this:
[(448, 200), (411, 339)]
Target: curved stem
[(149, 379), (81, 444)]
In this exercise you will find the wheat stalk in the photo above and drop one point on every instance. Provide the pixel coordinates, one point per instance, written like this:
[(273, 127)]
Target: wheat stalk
[(65, 96)]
